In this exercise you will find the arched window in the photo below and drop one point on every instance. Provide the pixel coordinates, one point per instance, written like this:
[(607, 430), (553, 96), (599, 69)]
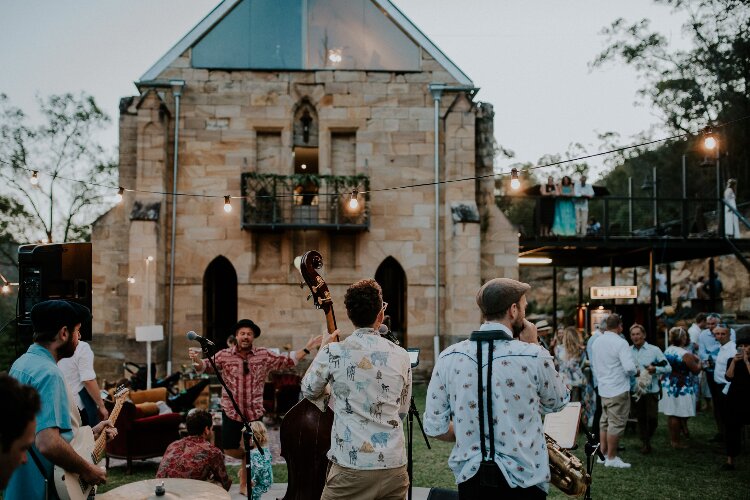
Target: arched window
[(392, 279), (219, 300)]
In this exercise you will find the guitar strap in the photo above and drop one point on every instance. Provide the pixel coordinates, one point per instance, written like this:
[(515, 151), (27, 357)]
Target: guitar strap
[(39, 465), (489, 472)]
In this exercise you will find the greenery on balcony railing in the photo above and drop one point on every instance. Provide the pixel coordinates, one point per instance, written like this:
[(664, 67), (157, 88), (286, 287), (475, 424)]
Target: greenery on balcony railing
[(274, 201)]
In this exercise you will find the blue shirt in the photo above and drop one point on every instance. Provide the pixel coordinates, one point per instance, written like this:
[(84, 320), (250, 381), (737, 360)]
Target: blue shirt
[(38, 369), (648, 355), (524, 384)]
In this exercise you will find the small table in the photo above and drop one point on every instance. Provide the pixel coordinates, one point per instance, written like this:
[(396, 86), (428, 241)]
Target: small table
[(175, 489)]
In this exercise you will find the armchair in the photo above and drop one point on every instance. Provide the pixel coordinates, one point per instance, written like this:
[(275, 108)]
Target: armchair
[(141, 432)]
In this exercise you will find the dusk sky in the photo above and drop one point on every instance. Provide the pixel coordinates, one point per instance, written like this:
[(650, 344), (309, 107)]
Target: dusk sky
[(529, 59)]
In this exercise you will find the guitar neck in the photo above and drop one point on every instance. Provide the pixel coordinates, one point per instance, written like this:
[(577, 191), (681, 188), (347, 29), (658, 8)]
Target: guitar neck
[(101, 442)]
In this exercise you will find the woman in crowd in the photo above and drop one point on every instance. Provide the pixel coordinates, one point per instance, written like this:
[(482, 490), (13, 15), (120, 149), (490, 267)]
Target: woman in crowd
[(737, 404), (678, 399), (570, 357), (547, 207), (731, 221), (565, 212)]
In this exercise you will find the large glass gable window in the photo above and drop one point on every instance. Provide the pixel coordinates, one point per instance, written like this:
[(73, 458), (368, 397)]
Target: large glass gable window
[(307, 35)]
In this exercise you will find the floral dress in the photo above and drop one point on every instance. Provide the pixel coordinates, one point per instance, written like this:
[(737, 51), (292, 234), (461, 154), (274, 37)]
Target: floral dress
[(262, 473), (678, 398), (581, 389), (565, 213)]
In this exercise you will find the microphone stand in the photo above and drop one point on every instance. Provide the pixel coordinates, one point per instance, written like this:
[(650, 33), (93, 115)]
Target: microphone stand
[(591, 449), (247, 431), (410, 426)]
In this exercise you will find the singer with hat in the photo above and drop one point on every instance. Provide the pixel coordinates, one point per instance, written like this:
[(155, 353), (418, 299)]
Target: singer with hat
[(245, 369)]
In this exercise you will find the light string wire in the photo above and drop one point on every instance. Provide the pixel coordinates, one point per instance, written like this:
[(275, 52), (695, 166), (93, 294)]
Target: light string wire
[(705, 131)]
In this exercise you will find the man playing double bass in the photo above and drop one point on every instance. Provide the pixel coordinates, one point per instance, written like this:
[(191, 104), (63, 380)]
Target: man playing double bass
[(370, 379)]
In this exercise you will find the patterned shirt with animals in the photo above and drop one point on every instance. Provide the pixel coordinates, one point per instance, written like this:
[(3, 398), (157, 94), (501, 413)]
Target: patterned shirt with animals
[(524, 385), (370, 379)]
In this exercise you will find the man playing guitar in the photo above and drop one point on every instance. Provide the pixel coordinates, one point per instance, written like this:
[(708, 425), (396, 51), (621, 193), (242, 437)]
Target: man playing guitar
[(57, 325)]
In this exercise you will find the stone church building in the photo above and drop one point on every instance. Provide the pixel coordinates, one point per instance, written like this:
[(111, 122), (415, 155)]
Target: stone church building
[(292, 109)]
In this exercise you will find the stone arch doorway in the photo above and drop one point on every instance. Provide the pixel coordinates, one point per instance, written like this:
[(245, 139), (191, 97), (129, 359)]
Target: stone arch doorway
[(392, 279), (219, 300)]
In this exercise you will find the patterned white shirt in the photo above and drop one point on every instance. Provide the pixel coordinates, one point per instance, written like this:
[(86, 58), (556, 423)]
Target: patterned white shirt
[(370, 379), (524, 384)]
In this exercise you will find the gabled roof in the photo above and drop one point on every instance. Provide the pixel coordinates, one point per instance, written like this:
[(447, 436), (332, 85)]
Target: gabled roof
[(221, 10)]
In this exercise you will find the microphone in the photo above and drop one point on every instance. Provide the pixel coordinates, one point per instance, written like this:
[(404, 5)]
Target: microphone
[(387, 334), (204, 342)]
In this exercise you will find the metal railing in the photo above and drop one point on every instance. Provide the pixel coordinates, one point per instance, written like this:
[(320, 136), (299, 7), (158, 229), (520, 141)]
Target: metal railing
[(624, 217), (305, 201)]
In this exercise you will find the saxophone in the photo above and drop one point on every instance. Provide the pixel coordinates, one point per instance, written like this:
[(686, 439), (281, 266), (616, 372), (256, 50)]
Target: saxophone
[(568, 473)]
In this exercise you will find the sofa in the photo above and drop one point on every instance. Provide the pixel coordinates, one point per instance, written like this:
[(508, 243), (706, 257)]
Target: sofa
[(141, 432)]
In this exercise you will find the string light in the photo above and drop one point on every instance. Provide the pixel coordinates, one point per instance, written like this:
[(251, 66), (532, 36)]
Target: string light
[(227, 204), (515, 182), (707, 143), (710, 142), (6, 288), (118, 196), (131, 279), (353, 202)]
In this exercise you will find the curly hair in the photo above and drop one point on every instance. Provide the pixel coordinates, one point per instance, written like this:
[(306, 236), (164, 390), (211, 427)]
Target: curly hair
[(197, 421), (21, 406), (363, 301)]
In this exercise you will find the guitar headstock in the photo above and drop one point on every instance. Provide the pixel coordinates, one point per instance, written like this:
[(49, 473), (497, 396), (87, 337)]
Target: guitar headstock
[(121, 393), (311, 262)]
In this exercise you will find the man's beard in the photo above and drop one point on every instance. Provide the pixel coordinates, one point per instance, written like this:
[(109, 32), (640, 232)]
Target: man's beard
[(67, 349)]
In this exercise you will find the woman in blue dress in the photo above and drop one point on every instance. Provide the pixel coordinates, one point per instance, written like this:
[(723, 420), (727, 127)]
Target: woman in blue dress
[(565, 212), (678, 387)]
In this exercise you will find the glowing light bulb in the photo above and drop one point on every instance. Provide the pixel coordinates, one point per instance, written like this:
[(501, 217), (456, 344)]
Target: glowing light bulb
[(118, 196), (515, 182), (150, 258), (34, 178), (303, 166), (353, 202), (227, 204), (710, 142), (131, 279), (6, 289)]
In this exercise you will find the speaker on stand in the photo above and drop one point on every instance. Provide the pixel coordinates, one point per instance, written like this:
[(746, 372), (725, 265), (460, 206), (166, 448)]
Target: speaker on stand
[(52, 271)]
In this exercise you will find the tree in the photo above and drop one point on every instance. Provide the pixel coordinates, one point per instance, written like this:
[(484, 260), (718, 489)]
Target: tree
[(698, 87), (72, 169)]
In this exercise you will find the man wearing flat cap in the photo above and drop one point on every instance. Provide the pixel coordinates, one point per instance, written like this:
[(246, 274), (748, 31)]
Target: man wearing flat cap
[(245, 369), (57, 325), (500, 449)]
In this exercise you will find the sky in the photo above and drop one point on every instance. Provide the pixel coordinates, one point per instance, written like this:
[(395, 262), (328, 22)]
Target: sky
[(530, 59)]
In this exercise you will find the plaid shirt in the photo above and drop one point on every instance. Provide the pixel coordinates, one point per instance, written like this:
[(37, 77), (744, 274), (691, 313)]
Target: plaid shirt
[(193, 457), (245, 375)]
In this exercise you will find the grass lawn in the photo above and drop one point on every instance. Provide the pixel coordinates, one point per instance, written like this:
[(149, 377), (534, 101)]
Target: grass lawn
[(666, 474)]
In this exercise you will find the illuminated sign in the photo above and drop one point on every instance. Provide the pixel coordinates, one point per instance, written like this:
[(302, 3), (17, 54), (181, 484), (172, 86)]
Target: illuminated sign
[(614, 292)]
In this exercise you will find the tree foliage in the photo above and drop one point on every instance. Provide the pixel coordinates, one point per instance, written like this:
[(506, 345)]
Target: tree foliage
[(71, 168), (697, 87)]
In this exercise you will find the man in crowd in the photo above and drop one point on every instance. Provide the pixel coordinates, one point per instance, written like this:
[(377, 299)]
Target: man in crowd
[(708, 350), (194, 457), (371, 382), (613, 365), (695, 331), (518, 383), (646, 388), (80, 376), (727, 351), (596, 334), (245, 369), (583, 192), (662, 292), (17, 425), (57, 325)]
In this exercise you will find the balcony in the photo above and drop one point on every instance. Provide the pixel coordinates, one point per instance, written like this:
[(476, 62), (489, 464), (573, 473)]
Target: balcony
[(274, 202)]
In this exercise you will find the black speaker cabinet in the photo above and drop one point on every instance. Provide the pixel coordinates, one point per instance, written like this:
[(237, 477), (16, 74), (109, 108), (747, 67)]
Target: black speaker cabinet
[(53, 271)]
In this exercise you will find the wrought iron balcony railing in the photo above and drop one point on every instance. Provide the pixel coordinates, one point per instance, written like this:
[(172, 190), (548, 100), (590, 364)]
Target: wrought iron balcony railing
[(305, 201)]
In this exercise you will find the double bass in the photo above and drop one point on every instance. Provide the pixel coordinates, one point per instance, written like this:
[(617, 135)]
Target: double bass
[(305, 432)]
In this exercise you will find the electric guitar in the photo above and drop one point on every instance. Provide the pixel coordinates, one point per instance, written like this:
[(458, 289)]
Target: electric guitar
[(69, 485)]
